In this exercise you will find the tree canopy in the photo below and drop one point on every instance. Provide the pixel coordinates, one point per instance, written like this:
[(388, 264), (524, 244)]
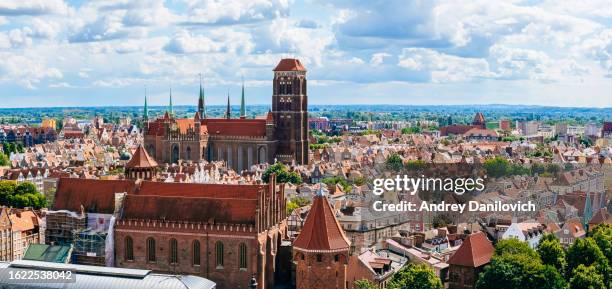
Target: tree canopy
[(283, 175), (415, 277)]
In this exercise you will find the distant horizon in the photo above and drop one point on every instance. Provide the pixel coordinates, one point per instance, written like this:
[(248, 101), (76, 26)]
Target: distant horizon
[(317, 104)]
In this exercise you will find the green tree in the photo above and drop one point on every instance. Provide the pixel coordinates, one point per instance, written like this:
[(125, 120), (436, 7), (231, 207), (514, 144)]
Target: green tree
[(4, 160), (551, 252), (415, 165), (7, 188), (584, 277), (602, 234), (553, 169), (586, 252), (514, 247), (537, 168), (283, 175), (496, 167), (26, 188), (394, 162), (415, 277), (364, 284), (511, 271)]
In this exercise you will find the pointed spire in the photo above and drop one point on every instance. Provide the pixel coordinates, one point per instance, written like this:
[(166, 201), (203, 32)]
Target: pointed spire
[(201, 101), (145, 115), (228, 110), (170, 109), (242, 106)]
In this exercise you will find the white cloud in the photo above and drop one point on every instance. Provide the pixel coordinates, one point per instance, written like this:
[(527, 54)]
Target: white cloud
[(443, 67), (26, 71), (378, 58), (221, 12), (185, 42), (33, 7)]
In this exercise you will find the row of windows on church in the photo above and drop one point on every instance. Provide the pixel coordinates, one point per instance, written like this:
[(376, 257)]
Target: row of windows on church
[(195, 252)]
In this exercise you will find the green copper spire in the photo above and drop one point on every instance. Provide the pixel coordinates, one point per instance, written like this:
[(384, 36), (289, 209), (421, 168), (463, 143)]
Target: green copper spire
[(170, 109), (201, 101), (145, 115), (228, 110), (242, 106)]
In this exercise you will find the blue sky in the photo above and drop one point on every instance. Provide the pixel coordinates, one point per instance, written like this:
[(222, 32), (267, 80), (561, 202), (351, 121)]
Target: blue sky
[(83, 53)]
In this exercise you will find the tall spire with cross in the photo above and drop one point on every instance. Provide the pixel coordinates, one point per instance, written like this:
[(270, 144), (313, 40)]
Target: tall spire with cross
[(170, 109), (201, 101), (145, 114), (228, 110), (242, 105)]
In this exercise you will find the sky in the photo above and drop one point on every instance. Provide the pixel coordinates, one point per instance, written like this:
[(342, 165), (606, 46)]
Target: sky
[(99, 53)]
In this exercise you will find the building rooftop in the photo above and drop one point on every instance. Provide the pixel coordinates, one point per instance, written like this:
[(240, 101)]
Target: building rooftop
[(96, 277)]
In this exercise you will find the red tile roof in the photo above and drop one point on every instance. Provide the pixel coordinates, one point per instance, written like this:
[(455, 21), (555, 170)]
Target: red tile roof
[(97, 196), (289, 64), (236, 127), (455, 129), (601, 216), (475, 251), (141, 159), (206, 210), (221, 191), (321, 231)]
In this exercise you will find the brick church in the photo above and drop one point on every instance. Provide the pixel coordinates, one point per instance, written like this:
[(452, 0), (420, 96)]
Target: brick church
[(223, 232), (242, 142)]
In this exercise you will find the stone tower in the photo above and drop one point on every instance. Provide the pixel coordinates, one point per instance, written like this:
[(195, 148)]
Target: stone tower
[(290, 110), (321, 250)]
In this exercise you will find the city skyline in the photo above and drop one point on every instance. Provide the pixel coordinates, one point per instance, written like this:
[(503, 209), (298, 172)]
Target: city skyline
[(104, 53)]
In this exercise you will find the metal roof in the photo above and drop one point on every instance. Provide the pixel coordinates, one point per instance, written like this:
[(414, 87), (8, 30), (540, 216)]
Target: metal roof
[(95, 277)]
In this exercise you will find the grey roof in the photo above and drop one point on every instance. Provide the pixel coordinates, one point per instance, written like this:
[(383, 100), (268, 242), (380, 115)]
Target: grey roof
[(95, 277)]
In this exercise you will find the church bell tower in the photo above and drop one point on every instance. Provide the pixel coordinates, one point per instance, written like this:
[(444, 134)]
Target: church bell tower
[(290, 111)]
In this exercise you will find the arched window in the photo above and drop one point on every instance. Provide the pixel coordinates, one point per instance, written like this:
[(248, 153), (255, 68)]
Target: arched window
[(243, 256), (129, 249), (219, 250), (151, 250), (196, 253), (173, 251), (188, 151)]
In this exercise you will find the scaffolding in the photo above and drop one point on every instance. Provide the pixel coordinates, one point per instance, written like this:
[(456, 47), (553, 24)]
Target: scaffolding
[(87, 234), (61, 226), (90, 242)]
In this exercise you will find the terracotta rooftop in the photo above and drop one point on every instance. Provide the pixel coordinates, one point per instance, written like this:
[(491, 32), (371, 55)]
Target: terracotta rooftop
[(479, 118), (221, 191), (475, 251), (236, 127), (97, 196), (321, 231), (289, 64), (205, 210), (141, 159)]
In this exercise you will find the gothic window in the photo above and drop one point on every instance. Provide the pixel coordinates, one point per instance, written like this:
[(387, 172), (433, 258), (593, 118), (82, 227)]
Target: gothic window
[(196, 252), (188, 151), (151, 250), (173, 251), (243, 256), (319, 258), (262, 155), (219, 251), (129, 249), (175, 153)]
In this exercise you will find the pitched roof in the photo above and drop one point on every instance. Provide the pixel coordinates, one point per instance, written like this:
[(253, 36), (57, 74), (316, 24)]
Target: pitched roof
[(479, 118), (236, 127), (600, 217), (475, 251), (96, 196), (220, 191), (23, 220), (289, 64), (141, 159), (185, 209), (321, 231)]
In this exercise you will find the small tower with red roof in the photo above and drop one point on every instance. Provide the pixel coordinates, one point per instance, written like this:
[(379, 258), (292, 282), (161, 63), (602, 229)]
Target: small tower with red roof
[(141, 165), (321, 250)]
